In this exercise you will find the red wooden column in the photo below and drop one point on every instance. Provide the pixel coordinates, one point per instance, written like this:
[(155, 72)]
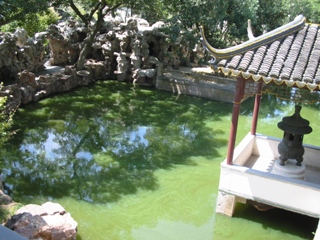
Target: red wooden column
[(255, 115), (238, 97)]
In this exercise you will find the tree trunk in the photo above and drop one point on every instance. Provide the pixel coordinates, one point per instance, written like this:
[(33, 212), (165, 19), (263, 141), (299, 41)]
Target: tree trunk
[(85, 50), (89, 40), (92, 33)]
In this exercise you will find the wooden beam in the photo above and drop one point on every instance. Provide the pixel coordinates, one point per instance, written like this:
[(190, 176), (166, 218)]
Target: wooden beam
[(255, 115), (238, 97)]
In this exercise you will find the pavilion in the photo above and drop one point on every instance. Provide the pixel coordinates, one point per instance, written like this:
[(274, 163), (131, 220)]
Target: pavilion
[(287, 59)]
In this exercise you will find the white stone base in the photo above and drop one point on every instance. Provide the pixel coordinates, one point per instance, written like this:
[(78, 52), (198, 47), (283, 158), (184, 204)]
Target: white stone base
[(290, 169), (226, 203)]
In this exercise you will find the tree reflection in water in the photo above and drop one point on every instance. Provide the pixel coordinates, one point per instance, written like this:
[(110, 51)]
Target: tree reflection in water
[(99, 143)]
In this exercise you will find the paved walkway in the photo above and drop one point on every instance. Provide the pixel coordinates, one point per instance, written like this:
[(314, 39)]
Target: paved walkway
[(49, 69)]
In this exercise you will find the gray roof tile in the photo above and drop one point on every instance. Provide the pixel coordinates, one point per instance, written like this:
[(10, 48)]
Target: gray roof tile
[(294, 57)]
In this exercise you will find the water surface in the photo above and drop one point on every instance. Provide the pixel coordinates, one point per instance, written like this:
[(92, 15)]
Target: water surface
[(135, 163)]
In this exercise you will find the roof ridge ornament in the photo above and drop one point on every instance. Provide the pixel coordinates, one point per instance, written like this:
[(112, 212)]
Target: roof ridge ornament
[(249, 30), (281, 32)]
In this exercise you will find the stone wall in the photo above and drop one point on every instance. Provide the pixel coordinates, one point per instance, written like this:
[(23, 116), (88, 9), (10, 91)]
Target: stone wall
[(200, 82)]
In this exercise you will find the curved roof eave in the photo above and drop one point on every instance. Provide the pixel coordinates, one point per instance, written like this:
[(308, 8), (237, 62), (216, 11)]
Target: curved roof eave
[(265, 39), (267, 80), (288, 55)]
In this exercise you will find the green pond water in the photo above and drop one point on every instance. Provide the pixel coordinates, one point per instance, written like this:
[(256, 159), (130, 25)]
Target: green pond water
[(141, 164)]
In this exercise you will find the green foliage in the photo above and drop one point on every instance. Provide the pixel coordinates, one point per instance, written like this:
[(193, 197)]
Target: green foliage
[(265, 15), (7, 211), (16, 10), (272, 14), (152, 12), (5, 122), (226, 21), (40, 22), (309, 8), (33, 22)]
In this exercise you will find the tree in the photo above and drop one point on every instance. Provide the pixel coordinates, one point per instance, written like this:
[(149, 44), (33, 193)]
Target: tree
[(14, 10), (309, 8), (95, 11), (33, 22), (272, 14), (225, 21), (152, 11)]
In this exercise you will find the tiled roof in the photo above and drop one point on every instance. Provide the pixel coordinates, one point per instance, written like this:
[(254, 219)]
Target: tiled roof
[(290, 57)]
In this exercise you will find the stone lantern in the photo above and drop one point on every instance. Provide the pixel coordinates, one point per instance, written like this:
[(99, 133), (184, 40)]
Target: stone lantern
[(294, 128)]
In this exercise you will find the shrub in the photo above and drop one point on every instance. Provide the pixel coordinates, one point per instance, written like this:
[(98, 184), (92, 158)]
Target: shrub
[(5, 121)]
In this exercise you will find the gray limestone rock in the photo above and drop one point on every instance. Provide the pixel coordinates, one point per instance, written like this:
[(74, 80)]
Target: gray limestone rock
[(48, 221)]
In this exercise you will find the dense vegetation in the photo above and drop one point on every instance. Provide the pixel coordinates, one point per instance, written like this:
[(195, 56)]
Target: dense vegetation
[(5, 121), (226, 20)]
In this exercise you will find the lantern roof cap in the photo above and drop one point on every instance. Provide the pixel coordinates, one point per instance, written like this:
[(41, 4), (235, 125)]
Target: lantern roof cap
[(295, 124)]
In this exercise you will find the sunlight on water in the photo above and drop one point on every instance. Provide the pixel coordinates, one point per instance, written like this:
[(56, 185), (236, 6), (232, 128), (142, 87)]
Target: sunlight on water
[(182, 206), (140, 164)]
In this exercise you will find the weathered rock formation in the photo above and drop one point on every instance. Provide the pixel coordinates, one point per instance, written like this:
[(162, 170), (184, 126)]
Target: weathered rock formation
[(49, 221), (120, 49), (18, 53), (127, 51)]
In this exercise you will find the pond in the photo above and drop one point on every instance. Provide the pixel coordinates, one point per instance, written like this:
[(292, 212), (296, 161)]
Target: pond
[(135, 163)]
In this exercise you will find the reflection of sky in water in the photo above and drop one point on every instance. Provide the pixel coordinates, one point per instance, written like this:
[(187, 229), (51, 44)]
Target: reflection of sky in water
[(135, 138), (139, 134), (58, 148), (276, 114), (29, 148), (84, 155), (51, 146)]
